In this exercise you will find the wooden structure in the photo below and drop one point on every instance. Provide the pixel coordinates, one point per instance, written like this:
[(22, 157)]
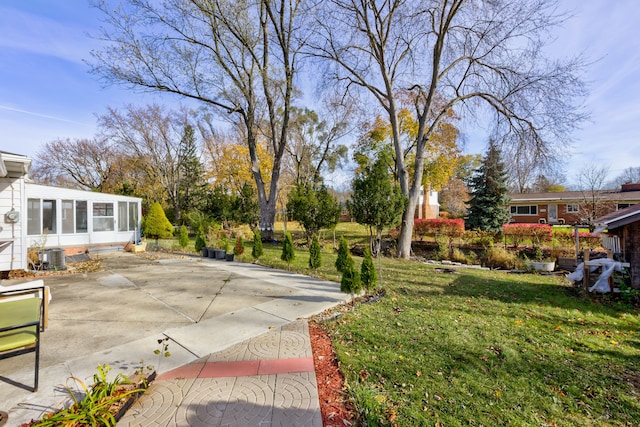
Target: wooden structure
[(625, 224)]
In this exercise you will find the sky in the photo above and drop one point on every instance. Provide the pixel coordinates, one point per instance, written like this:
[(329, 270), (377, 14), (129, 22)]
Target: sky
[(47, 92)]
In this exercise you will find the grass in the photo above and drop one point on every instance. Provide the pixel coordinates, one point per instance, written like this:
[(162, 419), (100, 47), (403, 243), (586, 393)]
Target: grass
[(482, 348)]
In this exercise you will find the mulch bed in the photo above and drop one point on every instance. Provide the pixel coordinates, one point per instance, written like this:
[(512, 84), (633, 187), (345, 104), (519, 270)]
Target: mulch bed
[(334, 405)]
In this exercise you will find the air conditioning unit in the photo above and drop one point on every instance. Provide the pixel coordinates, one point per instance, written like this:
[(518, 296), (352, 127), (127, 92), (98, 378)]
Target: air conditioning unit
[(55, 258)]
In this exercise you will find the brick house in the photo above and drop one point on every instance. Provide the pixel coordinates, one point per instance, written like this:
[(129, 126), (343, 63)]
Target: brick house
[(569, 207), (625, 224)]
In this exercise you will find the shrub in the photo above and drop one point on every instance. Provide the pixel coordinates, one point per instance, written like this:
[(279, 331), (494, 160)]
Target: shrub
[(156, 224), (288, 253), (368, 275), (343, 253), (350, 282), (238, 249), (458, 256), (315, 259), (499, 257), (518, 233), (183, 240), (200, 242), (257, 250)]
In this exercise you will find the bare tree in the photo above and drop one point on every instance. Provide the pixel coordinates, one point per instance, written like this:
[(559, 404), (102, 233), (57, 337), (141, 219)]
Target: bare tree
[(88, 164), (238, 57), (630, 175), (450, 54), (153, 139), (592, 182)]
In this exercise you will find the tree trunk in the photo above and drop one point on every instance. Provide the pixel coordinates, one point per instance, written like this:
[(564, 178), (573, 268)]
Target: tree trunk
[(406, 229)]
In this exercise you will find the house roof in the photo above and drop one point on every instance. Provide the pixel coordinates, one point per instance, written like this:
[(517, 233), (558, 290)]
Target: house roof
[(619, 218), (575, 196), (13, 164)]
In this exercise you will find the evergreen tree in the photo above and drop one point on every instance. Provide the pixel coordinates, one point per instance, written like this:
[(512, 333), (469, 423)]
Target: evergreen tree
[(367, 271), (343, 253), (200, 241), (288, 253), (313, 208), (184, 237), (489, 194), (376, 201), (156, 224), (257, 250), (350, 282), (315, 258), (192, 186)]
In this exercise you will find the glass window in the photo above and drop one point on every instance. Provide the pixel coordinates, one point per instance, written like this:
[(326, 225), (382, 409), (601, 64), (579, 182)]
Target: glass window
[(573, 208), (67, 217), (524, 210), (103, 217), (33, 217), (133, 216), (624, 205), (81, 216), (122, 216), (49, 216)]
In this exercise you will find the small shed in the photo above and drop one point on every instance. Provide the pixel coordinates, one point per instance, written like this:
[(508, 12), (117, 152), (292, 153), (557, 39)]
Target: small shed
[(625, 224)]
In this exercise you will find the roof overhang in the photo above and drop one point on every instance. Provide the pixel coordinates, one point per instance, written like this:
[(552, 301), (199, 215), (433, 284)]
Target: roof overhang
[(14, 165)]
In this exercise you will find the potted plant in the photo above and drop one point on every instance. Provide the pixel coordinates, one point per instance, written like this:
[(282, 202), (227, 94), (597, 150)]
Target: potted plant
[(229, 251), (541, 263), (238, 249), (223, 240), (212, 240)]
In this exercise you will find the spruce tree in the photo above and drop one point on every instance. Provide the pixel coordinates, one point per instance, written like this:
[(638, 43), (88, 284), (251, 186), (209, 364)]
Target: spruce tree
[(288, 253), (367, 271), (343, 252), (315, 258), (184, 237), (257, 250), (489, 194), (350, 282)]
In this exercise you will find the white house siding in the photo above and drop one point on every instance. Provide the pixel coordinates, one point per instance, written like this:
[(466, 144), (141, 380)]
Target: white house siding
[(12, 240), (61, 237)]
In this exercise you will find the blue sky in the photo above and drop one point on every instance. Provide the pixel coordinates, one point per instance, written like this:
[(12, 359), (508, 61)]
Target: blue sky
[(46, 91)]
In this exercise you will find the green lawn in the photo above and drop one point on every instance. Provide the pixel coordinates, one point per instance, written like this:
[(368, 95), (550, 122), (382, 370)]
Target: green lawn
[(482, 348)]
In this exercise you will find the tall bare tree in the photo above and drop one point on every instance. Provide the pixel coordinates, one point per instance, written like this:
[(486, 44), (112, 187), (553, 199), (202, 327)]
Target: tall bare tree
[(238, 57), (448, 54), (592, 183), (88, 164), (154, 139)]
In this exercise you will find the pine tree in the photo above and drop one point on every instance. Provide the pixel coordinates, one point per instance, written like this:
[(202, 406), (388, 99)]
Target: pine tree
[(288, 253), (350, 282), (367, 271), (257, 250), (184, 237), (315, 258), (343, 252), (156, 224), (489, 194)]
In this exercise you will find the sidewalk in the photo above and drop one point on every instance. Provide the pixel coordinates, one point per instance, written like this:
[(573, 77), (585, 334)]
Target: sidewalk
[(240, 354), (268, 380)]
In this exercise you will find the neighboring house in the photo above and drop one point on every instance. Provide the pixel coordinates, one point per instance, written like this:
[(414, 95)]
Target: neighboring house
[(428, 206), (625, 224), (571, 207), (40, 216)]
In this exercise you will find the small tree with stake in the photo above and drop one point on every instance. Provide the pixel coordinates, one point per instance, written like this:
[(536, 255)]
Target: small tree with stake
[(315, 259), (257, 250), (367, 271), (350, 282), (343, 253), (288, 253)]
